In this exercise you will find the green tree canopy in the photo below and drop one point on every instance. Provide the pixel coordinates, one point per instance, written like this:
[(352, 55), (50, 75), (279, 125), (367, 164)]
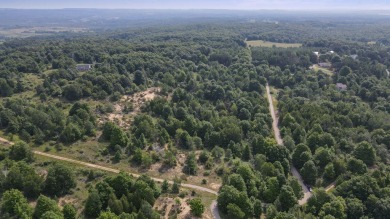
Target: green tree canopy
[(14, 204), (93, 205), (309, 172), (45, 204), (286, 198), (21, 151), (69, 211), (365, 152), (60, 179), (197, 207)]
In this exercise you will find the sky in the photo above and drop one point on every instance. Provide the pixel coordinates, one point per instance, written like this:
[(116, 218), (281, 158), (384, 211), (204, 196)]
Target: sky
[(202, 4)]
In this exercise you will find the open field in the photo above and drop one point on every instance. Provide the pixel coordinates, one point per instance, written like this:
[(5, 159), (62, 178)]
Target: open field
[(262, 43), (78, 195), (37, 31), (317, 68)]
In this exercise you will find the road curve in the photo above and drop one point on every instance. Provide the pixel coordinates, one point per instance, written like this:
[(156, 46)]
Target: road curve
[(214, 210), (306, 193), (213, 207)]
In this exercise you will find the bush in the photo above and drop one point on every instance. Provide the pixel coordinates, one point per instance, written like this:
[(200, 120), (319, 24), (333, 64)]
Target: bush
[(60, 179), (21, 151), (197, 207)]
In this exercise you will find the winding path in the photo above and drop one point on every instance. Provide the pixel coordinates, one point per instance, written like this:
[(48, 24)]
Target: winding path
[(213, 207), (306, 193)]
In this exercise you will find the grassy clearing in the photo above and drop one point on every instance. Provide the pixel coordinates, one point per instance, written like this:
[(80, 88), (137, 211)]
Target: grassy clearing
[(317, 68), (207, 199), (32, 80), (78, 195), (48, 72), (87, 151), (274, 94), (262, 43), (37, 31), (3, 134), (168, 204), (9, 136), (29, 81), (90, 151)]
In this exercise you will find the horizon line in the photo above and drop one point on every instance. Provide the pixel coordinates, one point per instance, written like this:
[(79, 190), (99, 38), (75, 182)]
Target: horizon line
[(209, 9)]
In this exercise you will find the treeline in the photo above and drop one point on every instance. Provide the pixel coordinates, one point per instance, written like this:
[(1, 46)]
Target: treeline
[(330, 29)]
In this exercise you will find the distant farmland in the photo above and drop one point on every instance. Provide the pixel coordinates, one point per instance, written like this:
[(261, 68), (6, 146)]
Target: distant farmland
[(37, 31), (262, 43)]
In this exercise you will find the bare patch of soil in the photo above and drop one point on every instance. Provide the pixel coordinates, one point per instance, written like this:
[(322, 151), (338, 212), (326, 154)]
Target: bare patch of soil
[(5, 141), (66, 200), (137, 100), (215, 186)]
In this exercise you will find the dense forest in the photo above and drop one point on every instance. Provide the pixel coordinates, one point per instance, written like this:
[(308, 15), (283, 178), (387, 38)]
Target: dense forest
[(187, 103)]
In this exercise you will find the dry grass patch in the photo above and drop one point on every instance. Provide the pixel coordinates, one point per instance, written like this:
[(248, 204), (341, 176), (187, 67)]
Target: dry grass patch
[(37, 31), (317, 68), (262, 43)]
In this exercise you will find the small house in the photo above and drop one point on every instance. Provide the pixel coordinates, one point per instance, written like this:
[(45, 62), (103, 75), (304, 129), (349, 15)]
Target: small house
[(84, 67), (341, 86), (354, 57), (324, 65)]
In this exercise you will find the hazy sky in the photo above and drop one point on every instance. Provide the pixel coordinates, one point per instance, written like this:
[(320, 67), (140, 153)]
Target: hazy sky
[(202, 4)]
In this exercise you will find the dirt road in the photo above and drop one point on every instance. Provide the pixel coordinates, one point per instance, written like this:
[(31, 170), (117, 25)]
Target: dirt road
[(214, 210), (275, 120), (5, 141), (306, 193), (330, 187)]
